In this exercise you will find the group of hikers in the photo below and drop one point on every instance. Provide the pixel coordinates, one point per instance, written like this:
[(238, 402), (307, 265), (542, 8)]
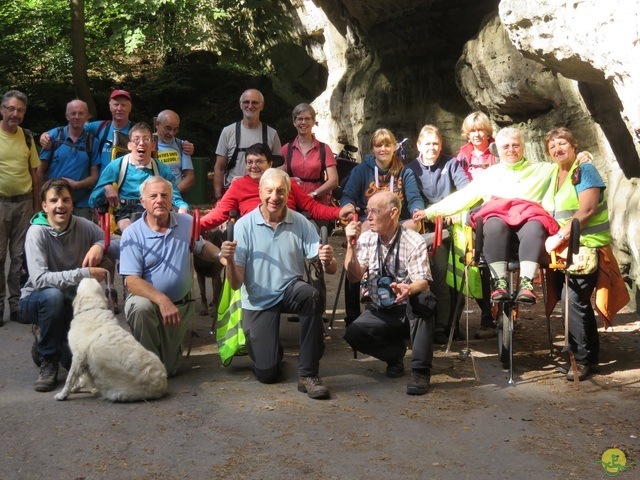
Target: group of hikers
[(283, 194)]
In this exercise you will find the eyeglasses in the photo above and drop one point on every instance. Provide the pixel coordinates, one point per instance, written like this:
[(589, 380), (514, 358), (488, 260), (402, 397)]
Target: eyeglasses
[(250, 102), (373, 211), (139, 140), (257, 163), (304, 119), (514, 146), (21, 111)]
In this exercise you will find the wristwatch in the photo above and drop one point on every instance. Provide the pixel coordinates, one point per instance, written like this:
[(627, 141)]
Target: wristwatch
[(314, 194), (219, 255)]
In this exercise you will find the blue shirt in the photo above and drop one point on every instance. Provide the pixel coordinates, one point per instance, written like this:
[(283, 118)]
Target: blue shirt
[(172, 156), (105, 154), (130, 188), (162, 259), (589, 178), (70, 159), (439, 180), (272, 258)]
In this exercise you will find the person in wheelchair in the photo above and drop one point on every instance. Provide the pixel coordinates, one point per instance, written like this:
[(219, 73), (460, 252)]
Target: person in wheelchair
[(128, 173), (514, 178), (402, 306)]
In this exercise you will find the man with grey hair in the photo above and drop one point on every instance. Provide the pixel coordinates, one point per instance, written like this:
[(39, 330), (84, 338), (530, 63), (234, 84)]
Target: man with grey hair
[(73, 155), (171, 151), (395, 262), (267, 259), (237, 137), (19, 188), (154, 259)]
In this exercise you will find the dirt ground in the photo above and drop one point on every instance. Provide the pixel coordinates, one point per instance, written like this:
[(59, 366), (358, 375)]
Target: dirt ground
[(219, 422)]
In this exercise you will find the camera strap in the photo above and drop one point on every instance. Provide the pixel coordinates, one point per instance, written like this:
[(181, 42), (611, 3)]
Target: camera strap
[(395, 244)]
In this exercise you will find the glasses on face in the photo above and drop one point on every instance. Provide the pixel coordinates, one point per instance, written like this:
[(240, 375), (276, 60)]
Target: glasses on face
[(373, 211), (257, 163), (246, 103), (513, 146), (139, 140), (21, 111), (304, 119)]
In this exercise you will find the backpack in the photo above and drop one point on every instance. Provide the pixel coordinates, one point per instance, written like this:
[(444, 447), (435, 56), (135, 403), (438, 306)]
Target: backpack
[(28, 139), (234, 156), (123, 171), (60, 140), (323, 164), (105, 126)]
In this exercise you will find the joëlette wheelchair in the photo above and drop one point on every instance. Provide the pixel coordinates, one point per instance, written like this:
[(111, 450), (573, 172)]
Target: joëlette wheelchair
[(506, 312)]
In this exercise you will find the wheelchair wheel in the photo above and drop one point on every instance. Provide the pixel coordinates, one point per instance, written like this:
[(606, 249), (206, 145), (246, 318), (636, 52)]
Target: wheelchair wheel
[(505, 329)]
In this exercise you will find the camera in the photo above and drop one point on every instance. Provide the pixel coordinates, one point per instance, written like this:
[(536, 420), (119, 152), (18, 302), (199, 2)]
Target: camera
[(385, 293)]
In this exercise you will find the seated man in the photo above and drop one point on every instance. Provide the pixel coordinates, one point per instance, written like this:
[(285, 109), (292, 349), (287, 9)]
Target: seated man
[(155, 261), (267, 259), (61, 250), (128, 173), (395, 260)]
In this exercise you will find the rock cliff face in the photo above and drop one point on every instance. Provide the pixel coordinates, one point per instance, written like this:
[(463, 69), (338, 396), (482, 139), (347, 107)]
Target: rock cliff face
[(403, 63)]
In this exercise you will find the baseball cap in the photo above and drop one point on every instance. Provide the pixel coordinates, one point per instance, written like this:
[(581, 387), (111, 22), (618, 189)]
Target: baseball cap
[(120, 93)]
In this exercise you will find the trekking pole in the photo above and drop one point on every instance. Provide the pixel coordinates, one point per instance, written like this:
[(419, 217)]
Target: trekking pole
[(341, 281), (195, 234), (573, 246)]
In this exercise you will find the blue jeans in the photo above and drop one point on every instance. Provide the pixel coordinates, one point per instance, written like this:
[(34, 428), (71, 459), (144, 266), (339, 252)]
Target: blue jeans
[(52, 312)]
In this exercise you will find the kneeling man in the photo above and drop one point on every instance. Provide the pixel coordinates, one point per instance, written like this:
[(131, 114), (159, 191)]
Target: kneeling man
[(155, 260), (395, 260), (267, 258)]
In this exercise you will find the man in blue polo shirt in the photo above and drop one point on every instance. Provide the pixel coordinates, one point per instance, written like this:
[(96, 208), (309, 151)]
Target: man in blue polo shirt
[(267, 259), (73, 155), (154, 258)]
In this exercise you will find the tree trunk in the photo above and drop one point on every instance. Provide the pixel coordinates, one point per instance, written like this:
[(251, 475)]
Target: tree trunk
[(79, 53)]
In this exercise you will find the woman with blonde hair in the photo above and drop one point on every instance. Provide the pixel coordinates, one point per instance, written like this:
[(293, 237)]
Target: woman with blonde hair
[(383, 170), (474, 156)]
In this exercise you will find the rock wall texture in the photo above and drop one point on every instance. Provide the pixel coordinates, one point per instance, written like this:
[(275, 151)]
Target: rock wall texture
[(536, 64)]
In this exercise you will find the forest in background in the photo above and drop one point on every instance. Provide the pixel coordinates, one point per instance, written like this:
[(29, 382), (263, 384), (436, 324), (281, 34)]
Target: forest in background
[(192, 56)]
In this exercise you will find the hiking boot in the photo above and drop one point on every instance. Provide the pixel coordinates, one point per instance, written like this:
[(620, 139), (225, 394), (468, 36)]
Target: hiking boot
[(395, 369), (485, 332), (313, 387), (500, 292), (35, 353), (48, 375), (525, 291), (583, 372), (440, 338), (112, 294), (419, 384), (565, 368)]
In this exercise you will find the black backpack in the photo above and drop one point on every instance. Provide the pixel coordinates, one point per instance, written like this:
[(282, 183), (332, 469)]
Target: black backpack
[(234, 156)]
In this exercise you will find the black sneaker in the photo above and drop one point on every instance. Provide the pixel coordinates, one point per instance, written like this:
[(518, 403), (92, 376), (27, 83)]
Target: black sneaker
[(395, 369), (440, 338), (419, 384), (313, 387), (48, 375)]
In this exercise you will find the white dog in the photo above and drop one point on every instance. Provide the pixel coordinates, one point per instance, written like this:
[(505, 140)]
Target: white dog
[(106, 357)]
